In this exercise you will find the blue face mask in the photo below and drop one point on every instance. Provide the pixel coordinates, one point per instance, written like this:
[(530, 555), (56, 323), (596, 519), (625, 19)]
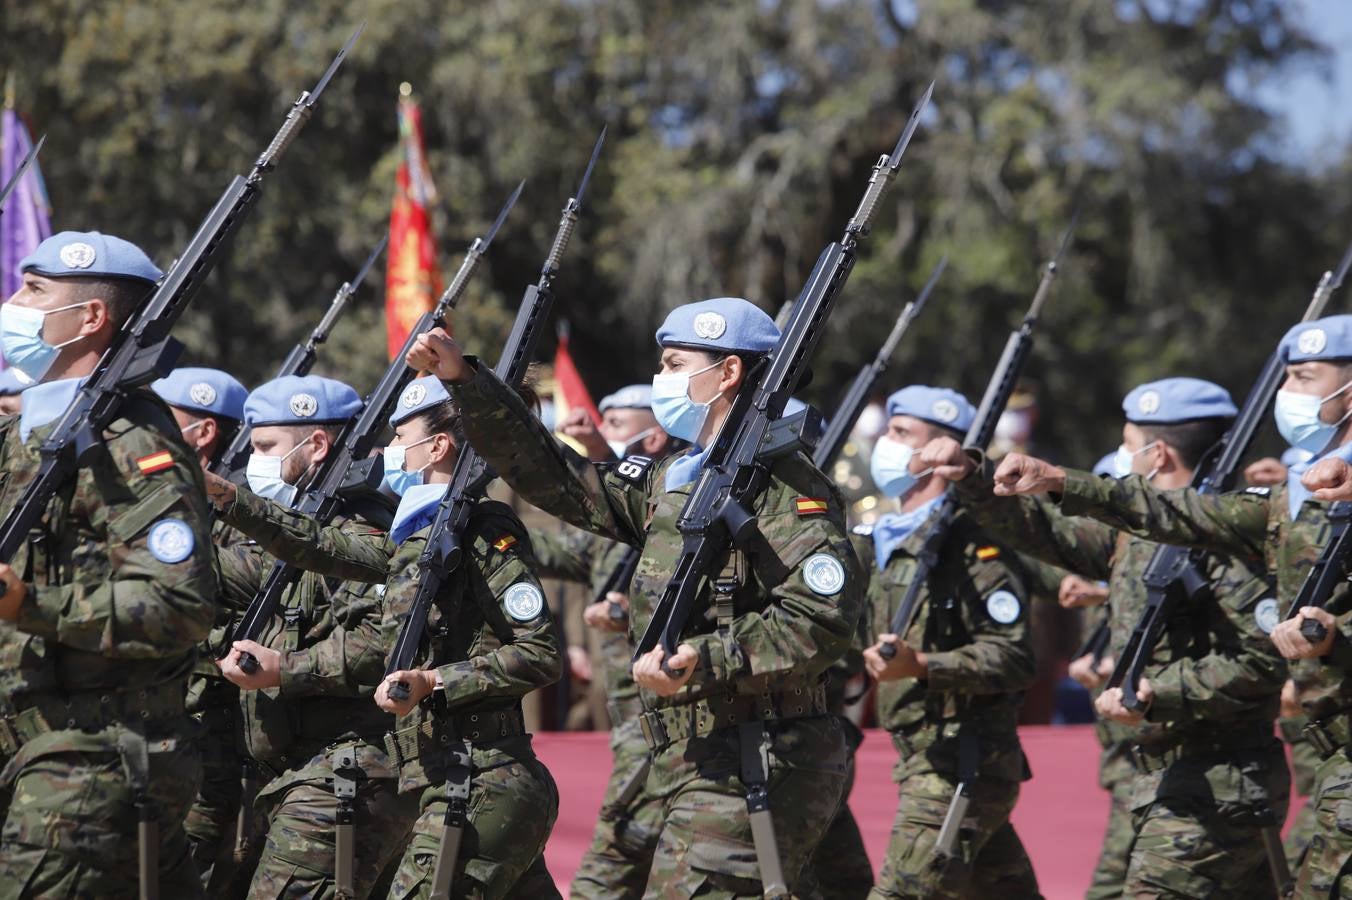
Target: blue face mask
[(891, 467), (396, 478), (264, 474), (1298, 420), (21, 338), (678, 415)]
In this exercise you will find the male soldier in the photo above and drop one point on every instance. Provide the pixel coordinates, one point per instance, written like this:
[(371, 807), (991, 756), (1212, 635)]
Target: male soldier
[(309, 702), (950, 695), (1211, 776), (208, 406), (105, 604), (743, 695), (12, 385), (621, 852)]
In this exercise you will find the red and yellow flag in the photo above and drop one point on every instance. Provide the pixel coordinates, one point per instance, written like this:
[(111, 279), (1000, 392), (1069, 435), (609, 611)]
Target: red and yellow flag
[(570, 391), (412, 279)]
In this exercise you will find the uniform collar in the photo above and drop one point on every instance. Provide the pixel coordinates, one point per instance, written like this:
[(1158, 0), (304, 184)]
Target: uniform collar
[(685, 469), (44, 403), (417, 509)]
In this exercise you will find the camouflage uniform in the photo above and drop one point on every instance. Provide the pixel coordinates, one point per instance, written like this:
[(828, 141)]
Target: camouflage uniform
[(625, 838), (99, 658), (488, 661), (333, 655), (1211, 775), (1305, 760), (1256, 525), (760, 663), (978, 668)]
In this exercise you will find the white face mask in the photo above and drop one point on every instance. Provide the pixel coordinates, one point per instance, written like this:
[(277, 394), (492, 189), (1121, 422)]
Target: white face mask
[(621, 448), (264, 474), (1124, 460)]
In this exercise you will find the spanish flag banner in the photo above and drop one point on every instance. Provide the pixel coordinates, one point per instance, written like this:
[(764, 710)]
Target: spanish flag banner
[(570, 391), (412, 279)]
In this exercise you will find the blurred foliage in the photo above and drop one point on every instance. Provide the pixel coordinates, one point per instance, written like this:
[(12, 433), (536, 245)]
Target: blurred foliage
[(741, 137)]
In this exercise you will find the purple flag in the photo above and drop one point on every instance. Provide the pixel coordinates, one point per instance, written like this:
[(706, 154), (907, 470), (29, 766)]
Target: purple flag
[(24, 223)]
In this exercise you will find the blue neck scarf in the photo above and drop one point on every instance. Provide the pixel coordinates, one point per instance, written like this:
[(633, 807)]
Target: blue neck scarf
[(893, 528), (685, 469), (44, 403), (417, 509), (1296, 493)]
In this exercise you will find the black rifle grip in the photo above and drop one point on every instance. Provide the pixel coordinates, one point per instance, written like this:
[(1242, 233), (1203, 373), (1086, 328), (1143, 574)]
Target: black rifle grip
[(613, 610), (399, 691), (248, 663), (887, 651), (1313, 631)]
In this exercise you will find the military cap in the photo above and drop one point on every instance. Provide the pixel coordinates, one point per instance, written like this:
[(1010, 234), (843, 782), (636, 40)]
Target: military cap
[(11, 383), (208, 391), (941, 406), (89, 254), (724, 324), (421, 395), (635, 396), (1323, 339), (1174, 400), (301, 400)]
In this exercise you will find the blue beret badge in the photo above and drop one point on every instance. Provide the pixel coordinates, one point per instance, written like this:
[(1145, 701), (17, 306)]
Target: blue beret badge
[(304, 405), (415, 394), (1265, 616), (710, 325), (202, 394), (1003, 607), (1312, 341), (523, 601), (77, 255), (171, 541), (824, 574)]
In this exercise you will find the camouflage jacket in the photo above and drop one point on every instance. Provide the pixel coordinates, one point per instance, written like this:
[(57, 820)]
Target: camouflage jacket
[(781, 626), (119, 572), (972, 622), (573, 555), (333, 655), (1254, 525), (1214, 667)]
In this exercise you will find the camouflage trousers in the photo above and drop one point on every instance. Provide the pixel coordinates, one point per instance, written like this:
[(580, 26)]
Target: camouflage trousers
[(1304, 763), (512, 808), (1327, 868), (989, 860), (298, 812), (1199, 825), (705, 848), (621, 852), (214, 817), (70, 826), (1110, 875), (841, 864)]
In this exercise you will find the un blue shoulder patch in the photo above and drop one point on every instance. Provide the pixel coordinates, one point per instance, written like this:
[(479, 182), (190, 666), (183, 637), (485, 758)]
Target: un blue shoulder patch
[(171, 541)]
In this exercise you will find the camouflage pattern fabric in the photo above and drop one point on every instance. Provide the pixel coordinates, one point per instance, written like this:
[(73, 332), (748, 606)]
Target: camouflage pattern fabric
[(840, 863), (782, 632), (1110, 873), (112, 615)]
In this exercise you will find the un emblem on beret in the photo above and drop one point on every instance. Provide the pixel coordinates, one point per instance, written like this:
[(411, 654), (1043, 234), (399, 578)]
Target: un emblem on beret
[(202, 394), (1312, 340), (415, 394), (710, 325), (304, 406), (945, 410), (1149, 403), (77, 255)]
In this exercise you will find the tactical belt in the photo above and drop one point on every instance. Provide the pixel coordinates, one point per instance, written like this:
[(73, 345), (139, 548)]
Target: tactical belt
[(1329, 734), (89, 711), (1150, 759), (444, 732), (708, 714)]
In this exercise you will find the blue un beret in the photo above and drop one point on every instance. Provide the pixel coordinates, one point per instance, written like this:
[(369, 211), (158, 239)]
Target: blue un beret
[(301, 400), (209, 391), (725, 324), (1323, 339), (941, 406), (635, 396), (1174, 400), (11, 383), (90, 254), (421, 395)]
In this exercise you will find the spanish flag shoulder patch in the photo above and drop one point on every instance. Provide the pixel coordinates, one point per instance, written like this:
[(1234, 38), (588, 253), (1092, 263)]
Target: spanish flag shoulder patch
[(155, 462), (987, 553), (502, 543), (810, 506)]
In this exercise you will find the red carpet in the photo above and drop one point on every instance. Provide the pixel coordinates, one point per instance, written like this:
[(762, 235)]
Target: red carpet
[(1060, 816)]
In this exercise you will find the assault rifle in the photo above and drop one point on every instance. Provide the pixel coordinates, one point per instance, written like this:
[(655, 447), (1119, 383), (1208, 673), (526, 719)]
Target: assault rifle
[(19, 172)]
